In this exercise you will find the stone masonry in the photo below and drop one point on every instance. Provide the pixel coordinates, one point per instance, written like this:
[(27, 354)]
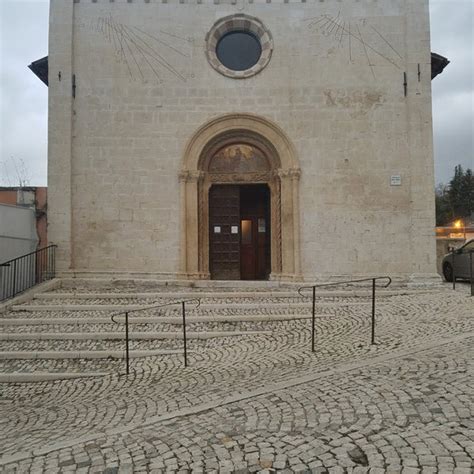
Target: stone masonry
[(130, 86)]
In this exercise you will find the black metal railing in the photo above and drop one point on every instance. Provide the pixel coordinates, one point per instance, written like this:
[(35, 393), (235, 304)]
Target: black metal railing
[(22, 273), (182, 303), (347, 282), (471, 270)]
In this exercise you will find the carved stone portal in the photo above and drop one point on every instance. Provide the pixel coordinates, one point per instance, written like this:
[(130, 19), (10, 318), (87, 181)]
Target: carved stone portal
[(240, 149)]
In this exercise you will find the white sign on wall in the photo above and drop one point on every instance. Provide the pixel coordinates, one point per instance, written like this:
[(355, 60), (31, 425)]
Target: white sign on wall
[(395, 180)]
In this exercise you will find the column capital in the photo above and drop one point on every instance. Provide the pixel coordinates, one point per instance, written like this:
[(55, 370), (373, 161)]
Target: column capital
[(189, 176), (293, 173)]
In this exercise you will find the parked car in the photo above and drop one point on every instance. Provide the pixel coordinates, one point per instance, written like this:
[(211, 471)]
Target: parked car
[(461, 262)]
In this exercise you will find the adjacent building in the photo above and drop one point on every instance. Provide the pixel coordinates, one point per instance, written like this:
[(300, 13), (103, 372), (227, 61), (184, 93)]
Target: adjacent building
[(23, 221)]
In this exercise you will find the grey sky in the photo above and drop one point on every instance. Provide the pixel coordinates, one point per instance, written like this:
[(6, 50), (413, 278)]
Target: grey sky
[(23, 98)]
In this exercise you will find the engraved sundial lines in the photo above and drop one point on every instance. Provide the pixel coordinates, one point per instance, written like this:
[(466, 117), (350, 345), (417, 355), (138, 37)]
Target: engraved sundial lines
[(348, 35), (143, 53)]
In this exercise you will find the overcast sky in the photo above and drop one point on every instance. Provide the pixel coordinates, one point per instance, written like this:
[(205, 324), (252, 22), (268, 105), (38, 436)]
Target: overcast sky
[(23, 97)]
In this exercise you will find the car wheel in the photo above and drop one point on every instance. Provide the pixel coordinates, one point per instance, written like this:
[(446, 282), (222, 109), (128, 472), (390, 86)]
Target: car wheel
[(448, 272)]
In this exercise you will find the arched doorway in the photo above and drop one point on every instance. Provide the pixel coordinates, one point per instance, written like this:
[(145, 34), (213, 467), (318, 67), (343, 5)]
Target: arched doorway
[(239, 179), (237, 157)]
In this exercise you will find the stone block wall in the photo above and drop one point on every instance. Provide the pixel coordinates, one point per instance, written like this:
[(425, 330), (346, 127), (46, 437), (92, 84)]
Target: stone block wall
[(334, 84)]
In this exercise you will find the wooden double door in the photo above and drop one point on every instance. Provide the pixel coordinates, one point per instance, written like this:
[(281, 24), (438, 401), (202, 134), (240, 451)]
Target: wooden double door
[(239, 232)]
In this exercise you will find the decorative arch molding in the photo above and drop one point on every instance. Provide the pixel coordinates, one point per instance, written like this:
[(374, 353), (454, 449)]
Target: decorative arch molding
[(282, 179)]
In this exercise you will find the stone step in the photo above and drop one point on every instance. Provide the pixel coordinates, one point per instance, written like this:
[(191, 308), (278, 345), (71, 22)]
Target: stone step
[(114, 354), (214, 306), (26, 377), (179, 295), (134, 282), (133, 336), (190, 302), (153, 320)]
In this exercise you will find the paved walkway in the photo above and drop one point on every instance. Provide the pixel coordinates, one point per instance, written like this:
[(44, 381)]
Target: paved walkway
[(267, 403)]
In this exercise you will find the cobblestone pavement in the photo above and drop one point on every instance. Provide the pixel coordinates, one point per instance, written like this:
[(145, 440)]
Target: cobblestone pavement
[(267, 404)]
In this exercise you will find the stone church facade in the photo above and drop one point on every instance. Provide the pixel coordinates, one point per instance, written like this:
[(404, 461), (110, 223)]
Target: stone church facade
[(240, 139)]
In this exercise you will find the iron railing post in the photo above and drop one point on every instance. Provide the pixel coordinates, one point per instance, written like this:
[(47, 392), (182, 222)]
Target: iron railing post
[(313, 288), (183, 306), (454, 272), (24, 272), (373, 312), (313, 319), (127, 342), (14, 278)]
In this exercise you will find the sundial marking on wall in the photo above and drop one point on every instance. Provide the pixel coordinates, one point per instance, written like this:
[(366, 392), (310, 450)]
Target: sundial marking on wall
[(145, 54), (347, 34)]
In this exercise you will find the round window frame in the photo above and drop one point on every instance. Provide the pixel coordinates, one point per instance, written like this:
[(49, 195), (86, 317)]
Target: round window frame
[(239, 22)]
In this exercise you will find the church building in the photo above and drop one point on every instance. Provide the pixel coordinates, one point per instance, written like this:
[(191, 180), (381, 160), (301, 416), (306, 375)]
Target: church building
[(241, 139)]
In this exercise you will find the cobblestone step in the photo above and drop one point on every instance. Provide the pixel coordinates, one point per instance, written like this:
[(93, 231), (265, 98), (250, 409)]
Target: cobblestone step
[(156, 302), (153, 320), (233, 312), (71, 331), (137, 336), (27, 377), (105, 354), (75, 366), (52, 295), (214, 306)]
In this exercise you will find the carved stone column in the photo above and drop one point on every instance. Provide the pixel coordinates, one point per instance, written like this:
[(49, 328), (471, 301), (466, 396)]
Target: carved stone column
[(275, 226), (183, 230), (295, 179), (190, 237), (287, 225), (204, 187)]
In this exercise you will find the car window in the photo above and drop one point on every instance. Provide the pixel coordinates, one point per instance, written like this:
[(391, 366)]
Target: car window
[(468, 247)]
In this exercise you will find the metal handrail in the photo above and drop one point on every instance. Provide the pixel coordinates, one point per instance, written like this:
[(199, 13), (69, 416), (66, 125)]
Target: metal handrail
[(24, 272), (6, 264), (127, 338), (322, 285)]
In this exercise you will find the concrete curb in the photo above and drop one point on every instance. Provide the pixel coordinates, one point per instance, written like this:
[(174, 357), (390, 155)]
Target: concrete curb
[(203, 407)]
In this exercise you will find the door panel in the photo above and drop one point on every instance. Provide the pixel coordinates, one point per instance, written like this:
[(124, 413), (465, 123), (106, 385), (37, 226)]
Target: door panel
[(255, 209), (224, 235), (247, 249)]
